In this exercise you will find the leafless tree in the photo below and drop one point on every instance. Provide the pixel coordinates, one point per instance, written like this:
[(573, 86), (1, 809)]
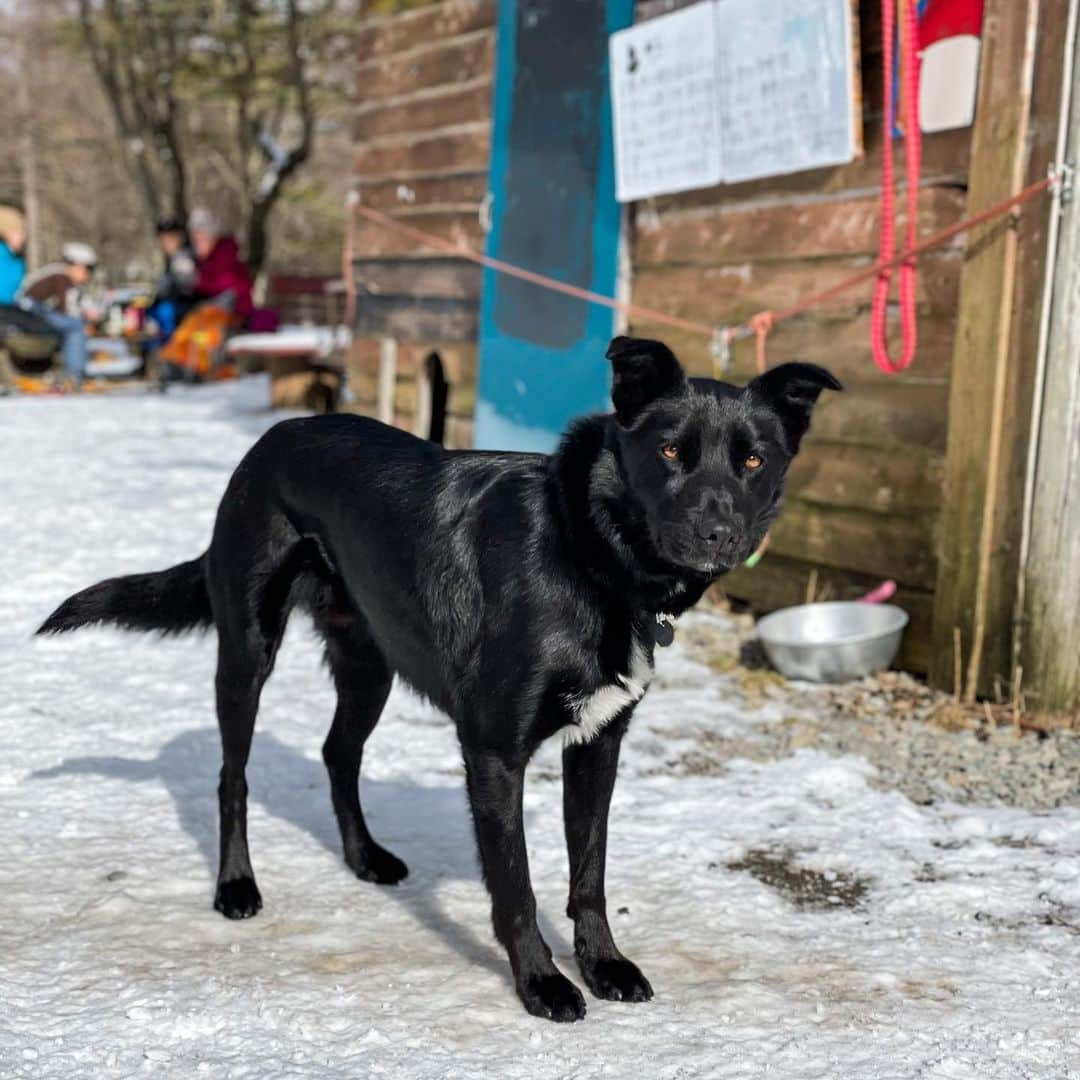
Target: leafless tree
[(226, 87)]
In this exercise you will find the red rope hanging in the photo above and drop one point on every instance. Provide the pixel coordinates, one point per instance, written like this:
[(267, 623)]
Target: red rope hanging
[(909, 83)]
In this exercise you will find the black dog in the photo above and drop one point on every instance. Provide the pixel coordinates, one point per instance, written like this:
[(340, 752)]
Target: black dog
[(523, 594)]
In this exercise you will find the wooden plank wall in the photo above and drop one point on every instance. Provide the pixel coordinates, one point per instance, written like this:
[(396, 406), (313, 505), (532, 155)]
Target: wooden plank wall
[(865, 494), (423, 129)]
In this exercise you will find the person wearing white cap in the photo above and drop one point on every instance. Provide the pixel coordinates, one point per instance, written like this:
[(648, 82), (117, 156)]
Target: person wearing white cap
[(55, 292)]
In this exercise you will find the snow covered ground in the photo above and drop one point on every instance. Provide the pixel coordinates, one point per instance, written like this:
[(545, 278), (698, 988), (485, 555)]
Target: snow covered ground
[(797, 919)]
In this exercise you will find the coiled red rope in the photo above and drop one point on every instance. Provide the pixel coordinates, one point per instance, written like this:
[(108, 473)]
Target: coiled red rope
[(909, 95)]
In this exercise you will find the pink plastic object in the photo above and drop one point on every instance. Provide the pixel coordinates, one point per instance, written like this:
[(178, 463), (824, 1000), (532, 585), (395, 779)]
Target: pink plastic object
[(880, 593)]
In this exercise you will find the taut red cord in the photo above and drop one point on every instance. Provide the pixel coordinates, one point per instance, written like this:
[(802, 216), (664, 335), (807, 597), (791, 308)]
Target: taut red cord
[(760, 324)]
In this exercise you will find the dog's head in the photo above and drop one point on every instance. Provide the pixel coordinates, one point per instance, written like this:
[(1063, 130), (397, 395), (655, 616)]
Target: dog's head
[(706, 460)]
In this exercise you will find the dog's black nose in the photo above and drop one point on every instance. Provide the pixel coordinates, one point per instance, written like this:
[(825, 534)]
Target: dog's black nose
[(723, 536)]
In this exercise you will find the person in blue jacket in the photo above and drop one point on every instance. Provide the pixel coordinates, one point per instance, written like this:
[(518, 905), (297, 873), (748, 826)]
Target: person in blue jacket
[(12, 263)]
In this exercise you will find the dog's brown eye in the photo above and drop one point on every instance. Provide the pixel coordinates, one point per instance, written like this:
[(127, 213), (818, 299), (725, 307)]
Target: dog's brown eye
[(753, 462), (670, 451)]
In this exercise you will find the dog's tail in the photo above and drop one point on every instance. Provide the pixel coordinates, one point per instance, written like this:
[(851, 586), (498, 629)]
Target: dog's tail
[(169, 601)]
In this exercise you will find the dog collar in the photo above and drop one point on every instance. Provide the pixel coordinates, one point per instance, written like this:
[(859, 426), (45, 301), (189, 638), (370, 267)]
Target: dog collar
[(664, 630)]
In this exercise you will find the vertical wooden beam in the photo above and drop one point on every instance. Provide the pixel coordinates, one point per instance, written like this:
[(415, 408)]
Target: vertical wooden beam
[(1050, 633), (422, 413), (388, 350), (995, 345), (1051, 644)]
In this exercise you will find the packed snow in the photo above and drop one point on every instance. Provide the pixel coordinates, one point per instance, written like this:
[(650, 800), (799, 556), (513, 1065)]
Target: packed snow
[(797, 917)]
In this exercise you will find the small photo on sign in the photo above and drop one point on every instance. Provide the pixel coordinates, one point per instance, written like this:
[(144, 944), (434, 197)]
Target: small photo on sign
[(663, 91)]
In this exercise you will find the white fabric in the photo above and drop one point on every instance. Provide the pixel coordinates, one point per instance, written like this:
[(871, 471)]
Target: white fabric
[(318, 342)]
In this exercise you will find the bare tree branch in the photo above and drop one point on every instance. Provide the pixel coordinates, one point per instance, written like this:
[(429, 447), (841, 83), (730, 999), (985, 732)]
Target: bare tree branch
[(240, 77), (281, 164), (103, 57)]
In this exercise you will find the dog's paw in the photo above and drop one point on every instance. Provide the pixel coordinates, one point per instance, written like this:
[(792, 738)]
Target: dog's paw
[(238, 899), (378, 865), (553, 997), (616, 980)]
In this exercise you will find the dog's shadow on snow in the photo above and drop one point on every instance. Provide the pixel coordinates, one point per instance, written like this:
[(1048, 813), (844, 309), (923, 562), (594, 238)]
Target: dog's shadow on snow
[(295, 789)]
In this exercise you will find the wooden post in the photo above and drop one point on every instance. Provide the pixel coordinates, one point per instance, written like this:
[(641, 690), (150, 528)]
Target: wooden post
[(422, 415), (387, 378), (995, 346), (1050, 632)]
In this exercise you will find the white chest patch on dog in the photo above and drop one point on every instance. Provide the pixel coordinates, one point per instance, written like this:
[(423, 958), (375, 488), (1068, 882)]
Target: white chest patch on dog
[(592, 711)]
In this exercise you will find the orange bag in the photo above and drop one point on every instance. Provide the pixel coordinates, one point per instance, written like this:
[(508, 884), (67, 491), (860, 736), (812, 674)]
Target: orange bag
[(198, 345)]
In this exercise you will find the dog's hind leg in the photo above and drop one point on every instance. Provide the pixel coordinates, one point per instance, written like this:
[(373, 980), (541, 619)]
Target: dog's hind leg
[(250, 621), (362, 678), (243, 667)]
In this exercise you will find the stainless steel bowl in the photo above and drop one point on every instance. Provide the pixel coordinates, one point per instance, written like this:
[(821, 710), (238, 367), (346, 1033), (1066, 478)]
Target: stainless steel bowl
[(832, 642)]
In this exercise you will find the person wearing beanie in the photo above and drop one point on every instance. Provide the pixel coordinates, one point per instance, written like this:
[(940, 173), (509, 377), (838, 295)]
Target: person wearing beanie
[(177, 282), (174, 294), (55, 293), (222, 275), (12, 243)]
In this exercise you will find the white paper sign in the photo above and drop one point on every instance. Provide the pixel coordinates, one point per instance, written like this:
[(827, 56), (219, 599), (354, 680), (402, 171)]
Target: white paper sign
[(785, 86), (731, 90), (663, 91)]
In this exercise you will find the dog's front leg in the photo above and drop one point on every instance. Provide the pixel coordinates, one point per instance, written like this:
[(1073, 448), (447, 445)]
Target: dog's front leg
[(495, 792), (588, 780)]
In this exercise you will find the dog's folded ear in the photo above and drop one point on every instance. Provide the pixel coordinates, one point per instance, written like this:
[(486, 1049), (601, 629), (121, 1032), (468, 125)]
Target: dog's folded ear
[(793, 389), (642, 371)]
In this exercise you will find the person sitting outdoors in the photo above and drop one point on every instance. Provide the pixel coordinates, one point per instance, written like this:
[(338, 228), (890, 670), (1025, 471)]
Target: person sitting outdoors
[(224, 303), (12, 243), (222, 277), (174, 294), (55, 293)]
